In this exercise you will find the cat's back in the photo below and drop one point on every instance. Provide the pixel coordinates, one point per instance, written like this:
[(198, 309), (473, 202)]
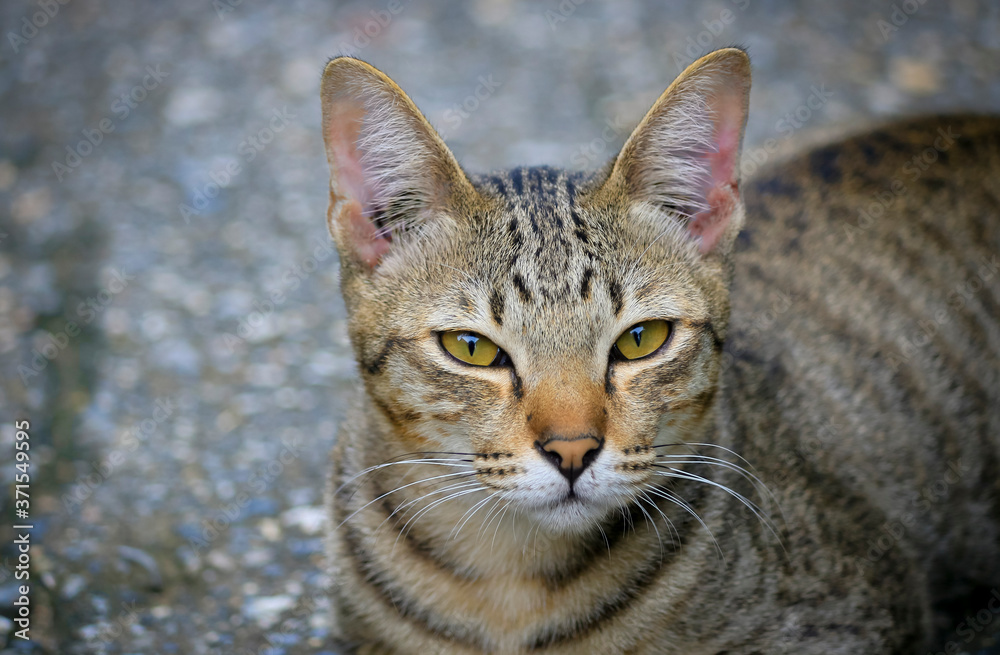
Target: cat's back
[(866, 299)]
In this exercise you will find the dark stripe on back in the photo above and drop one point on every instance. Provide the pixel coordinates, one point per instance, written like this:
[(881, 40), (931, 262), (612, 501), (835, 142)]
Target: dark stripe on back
[(904, 378), (954, 363), (538, 176), (823, 162)]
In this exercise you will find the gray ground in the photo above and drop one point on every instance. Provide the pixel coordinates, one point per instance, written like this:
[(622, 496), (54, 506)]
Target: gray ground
[(180, 427)]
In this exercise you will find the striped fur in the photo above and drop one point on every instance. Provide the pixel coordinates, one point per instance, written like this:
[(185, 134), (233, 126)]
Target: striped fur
[(870, 482)]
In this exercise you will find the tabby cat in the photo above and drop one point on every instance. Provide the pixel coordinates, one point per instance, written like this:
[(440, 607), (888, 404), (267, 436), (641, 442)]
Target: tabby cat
[(568, 439)]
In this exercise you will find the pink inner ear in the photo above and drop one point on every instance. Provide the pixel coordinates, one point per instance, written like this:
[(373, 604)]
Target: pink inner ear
[(361, 236), (356, 228), (710, 224)]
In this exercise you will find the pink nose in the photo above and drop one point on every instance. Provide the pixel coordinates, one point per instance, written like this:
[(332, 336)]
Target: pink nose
[(570, 456)]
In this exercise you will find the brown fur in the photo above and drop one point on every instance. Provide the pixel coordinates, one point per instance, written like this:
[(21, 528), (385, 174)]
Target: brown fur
[(848, 435)]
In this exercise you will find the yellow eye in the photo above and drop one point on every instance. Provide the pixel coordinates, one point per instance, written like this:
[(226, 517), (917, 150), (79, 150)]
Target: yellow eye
[(471, 348), (642, 339)]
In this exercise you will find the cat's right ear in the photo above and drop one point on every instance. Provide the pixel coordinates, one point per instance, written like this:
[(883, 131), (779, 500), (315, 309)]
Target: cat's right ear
[(389, 169)]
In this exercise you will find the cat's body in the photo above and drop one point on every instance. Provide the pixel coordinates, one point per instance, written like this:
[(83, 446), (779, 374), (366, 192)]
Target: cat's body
[(458, 527)]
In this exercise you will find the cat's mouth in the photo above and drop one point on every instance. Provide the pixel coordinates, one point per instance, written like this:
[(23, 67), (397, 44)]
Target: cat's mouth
[(570, 497), (570, 513)]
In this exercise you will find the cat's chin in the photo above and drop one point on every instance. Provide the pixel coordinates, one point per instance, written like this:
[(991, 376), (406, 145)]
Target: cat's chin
[(570, 516)]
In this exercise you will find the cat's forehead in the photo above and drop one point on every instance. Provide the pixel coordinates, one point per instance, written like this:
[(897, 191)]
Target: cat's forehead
[(540, 223), (539, 201), (532, 184), (541, 240)]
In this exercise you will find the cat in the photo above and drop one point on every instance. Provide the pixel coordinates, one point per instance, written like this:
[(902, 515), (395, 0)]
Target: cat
[(570, 440)]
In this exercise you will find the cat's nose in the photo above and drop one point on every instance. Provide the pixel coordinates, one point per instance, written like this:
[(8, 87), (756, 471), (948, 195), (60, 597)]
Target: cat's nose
[(570, 456)]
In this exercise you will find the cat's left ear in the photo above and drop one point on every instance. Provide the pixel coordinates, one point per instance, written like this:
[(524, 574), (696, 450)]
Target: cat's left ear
[(389, 169), (683, 158)]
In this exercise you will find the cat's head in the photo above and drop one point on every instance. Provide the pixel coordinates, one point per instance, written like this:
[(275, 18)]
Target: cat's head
[(554, 326)]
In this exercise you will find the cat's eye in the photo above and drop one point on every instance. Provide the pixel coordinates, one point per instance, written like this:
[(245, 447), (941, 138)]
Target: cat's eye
[(473, 348), (642, 339)]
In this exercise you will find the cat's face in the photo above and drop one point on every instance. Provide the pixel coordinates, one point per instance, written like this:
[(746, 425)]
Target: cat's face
[(557, 331)]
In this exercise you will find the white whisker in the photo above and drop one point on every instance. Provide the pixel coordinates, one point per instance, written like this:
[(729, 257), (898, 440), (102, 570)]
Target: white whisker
[(750, 472), (680, 502), (495, 511), (412, 520), (757, 511), (649, 520), (429, 461), (674, 534), (469, 514), (421, 481), (410, 503), (503, 512), (605, 535), (715, 461)]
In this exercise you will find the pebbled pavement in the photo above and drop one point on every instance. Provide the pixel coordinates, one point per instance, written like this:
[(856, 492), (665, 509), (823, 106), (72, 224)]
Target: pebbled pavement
[(169, 317)]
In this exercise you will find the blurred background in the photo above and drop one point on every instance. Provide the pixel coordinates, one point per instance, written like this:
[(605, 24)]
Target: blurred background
[(170, 323)]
